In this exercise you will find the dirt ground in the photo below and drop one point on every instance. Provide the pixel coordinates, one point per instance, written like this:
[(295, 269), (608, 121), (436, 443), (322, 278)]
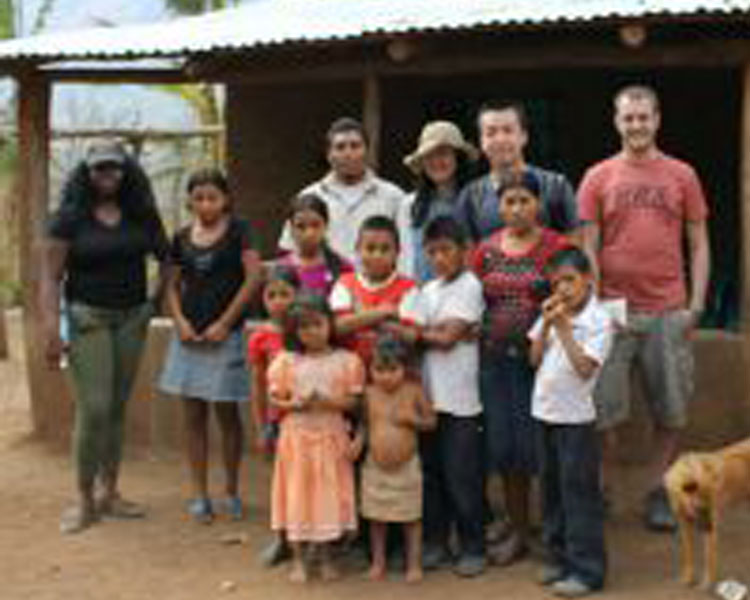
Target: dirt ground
[(167, 557)]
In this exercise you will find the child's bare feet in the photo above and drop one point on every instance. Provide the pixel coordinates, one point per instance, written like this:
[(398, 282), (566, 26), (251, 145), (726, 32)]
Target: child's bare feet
[(298, 573), (414, 575), (376, 572), (328, 571)]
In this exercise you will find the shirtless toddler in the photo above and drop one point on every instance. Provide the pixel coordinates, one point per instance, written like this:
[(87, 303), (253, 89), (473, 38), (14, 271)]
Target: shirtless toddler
[(395, 409)]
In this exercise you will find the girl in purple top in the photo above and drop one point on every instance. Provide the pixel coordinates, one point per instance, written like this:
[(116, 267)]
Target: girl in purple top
[(318, 267)]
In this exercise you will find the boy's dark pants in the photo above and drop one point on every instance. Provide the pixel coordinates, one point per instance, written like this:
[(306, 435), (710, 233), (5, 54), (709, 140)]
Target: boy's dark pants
[(573, 509), (453, 489)]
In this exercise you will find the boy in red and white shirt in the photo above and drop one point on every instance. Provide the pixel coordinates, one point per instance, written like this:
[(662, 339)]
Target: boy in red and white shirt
[(376, 298)]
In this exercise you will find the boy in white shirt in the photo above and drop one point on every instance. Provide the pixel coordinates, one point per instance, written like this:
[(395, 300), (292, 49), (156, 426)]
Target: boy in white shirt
[(569, 344), (448, 311)]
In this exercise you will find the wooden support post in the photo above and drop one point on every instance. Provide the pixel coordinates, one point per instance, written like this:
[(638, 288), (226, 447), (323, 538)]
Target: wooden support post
[(372, 115), (46, 388), (745, 200), (744, 150), (3, 333)]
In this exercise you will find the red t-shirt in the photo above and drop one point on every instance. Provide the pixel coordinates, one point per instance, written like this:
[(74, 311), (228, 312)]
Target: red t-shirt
[(263, 345), (352, 294), (641, 207)]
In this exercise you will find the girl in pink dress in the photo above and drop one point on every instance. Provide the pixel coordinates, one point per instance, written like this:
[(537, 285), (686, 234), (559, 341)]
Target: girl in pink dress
[(317, 265), (314, 384)]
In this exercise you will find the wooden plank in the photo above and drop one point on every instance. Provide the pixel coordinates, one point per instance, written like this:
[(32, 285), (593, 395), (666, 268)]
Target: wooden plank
[(744, 175), (114, 76), (434, 61), (745, 199), (372, 115), (437, 56), (210, 131), (3, 334), (47, 388), (147, 134)]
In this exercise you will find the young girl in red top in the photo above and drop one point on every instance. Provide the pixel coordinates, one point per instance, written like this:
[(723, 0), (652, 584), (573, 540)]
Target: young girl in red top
[(264, 344)]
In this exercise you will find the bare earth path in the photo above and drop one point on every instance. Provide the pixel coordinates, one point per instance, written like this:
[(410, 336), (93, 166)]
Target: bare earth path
[(167, 557)]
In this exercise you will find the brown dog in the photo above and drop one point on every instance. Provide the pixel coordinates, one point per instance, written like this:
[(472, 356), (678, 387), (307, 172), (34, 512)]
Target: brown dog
[(700, 486)]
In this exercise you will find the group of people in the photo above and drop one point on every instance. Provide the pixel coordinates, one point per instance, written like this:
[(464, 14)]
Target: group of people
[(413, 345)]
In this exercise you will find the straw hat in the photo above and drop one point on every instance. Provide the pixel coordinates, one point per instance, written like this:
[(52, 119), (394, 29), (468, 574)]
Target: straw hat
[(434, 135)]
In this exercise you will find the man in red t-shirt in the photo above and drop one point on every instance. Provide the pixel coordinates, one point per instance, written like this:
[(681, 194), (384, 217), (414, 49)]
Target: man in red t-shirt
[(636, 207)]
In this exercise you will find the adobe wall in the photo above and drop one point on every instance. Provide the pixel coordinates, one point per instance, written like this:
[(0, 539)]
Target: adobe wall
[(719, 413)]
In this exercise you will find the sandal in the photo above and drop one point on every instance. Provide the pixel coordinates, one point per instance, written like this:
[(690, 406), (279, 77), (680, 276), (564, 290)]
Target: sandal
[(233, 507), (508, 551), (201, 511), (77, 518), (118, 508), (275, 553)]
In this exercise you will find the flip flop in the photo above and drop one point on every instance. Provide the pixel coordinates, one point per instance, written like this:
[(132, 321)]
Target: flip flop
[(119, 508), (201, 511), (234, 509), (76, 518)]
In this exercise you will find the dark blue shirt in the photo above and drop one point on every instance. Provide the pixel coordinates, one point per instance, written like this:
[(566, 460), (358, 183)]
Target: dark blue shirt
[(479, 207)]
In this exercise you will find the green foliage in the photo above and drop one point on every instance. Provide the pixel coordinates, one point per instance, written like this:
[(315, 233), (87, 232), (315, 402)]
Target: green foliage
[(8, 158), (196, 7), (10, 292), (7, 19)]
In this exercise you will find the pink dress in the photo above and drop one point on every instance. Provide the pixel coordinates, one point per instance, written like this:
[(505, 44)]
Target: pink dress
[(312, 493)]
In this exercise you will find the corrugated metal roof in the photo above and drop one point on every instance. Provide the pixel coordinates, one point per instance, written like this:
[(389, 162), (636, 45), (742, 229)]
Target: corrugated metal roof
[(270, 22)]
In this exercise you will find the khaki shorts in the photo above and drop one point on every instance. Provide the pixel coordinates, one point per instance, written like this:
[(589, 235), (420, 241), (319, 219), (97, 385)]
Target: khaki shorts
[(658, 347)]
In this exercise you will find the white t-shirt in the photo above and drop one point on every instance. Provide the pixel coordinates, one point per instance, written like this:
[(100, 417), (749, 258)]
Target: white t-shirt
[(560, 394), (451, 377)]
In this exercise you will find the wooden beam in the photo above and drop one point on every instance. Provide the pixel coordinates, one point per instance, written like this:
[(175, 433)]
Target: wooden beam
[(148, 134), (745, 199), (372, 115), (434, 61), (117, 76), (46, 388), (208, 131), (3, 333), (436, 58)]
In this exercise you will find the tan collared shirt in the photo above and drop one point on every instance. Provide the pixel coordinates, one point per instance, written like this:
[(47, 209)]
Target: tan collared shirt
[(347, 212)]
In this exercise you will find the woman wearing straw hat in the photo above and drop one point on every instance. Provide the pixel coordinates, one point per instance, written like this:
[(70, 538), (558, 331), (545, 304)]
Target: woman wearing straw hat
[(441, 164)]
